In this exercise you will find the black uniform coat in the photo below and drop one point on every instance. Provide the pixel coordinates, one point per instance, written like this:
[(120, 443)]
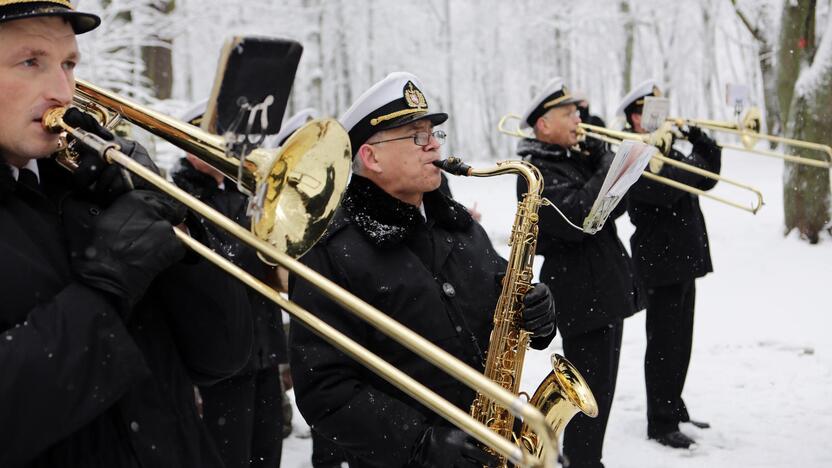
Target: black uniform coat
[(439, 278), (590, 276), (269, 338), (670, 243), (81, 388)]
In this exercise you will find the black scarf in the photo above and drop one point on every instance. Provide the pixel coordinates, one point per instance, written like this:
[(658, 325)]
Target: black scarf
[(387, 221)]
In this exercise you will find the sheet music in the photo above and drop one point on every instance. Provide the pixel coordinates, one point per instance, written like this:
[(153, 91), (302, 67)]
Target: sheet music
[(629, 162)]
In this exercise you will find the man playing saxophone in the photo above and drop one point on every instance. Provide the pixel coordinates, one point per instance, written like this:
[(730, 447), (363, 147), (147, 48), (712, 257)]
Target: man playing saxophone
[(398, 243)]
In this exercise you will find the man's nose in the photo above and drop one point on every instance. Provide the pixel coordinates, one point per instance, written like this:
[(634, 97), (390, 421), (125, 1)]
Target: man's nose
[(60, 87), (433, 142)]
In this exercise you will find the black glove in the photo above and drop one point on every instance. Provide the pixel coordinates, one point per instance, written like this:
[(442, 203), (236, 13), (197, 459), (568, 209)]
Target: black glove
[(449, 447), (539, 313), (696, 136), (106, 181), (593, 147), (133, 241)]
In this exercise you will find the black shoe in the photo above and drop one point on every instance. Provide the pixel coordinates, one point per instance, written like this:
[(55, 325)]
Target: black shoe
[(699, 424), (674, 439)]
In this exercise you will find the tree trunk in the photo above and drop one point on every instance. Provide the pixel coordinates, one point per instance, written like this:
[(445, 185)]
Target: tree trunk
[(765, 57), (797, 30), (158, 60), (806, 190), (629, 43), (774, 123)]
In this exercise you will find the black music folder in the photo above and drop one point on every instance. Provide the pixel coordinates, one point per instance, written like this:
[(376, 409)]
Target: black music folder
[(252, 86)]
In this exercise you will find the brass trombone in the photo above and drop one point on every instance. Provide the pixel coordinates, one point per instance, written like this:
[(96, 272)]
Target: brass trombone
[(661, 139), (268, 173), (748, 128)]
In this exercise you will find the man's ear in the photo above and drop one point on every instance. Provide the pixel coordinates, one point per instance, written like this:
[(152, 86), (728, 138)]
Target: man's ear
[(368, 158), (541, 126), (635, 120)]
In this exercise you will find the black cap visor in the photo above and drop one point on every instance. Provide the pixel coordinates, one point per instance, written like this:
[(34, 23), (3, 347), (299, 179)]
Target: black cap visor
[(362, 131), (80, 22)]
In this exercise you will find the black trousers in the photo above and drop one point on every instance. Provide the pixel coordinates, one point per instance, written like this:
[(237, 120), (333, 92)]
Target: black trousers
[(669, 340), (595, 354), (245, 417), (325, 454)]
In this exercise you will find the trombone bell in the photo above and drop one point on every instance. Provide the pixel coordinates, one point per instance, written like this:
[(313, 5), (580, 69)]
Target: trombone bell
[(304, 187)]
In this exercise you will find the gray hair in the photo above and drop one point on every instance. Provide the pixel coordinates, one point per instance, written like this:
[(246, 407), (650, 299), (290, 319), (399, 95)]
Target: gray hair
[(358, 166)]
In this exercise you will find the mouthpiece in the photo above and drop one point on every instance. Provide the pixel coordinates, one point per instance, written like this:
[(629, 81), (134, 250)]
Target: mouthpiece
[(453, 166), (52, 119)]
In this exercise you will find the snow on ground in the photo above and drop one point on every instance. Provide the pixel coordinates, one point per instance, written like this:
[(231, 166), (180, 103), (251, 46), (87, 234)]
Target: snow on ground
[(762, 356)]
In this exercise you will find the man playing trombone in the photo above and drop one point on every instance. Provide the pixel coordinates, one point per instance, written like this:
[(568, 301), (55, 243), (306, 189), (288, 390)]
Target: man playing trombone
[(103, 331), (400, 244), (670, 250), (589, 275), (243, 413)]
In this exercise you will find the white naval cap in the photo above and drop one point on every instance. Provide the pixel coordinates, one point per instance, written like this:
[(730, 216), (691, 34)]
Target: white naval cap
[(289, 127), (634, 100), (395, 101), (554, 94)]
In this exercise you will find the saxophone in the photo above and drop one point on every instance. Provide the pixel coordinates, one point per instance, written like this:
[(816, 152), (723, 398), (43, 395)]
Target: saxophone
[(564, 391)]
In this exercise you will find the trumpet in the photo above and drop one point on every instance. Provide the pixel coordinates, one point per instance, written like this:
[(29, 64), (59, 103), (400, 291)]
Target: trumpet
[(661, 139), (748, 129), (269, 174)]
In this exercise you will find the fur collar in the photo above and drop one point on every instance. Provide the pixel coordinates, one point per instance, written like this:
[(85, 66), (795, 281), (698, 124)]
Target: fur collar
[(387, 221), (530, 147)]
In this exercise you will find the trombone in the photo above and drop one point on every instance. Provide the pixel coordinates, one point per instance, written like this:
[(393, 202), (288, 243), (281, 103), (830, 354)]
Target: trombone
[(748, 129), (661, 139), (267, 174)]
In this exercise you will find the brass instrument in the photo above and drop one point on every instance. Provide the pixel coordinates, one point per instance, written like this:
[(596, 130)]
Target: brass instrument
[(663, 140), (269, 174), (564, 392), (748, 129)]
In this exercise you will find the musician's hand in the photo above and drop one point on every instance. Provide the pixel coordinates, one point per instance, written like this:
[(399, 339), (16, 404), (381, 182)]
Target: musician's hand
[(602, 160), (105, 181), (449, 447), (593, 147), (133, 241), (539, 313), (696, 136)]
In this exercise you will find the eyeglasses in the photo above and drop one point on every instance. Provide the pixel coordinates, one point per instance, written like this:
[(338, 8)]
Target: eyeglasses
[(419, 138)]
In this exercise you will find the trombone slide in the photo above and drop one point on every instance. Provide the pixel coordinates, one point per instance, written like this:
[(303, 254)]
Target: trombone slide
[(384, 323)]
